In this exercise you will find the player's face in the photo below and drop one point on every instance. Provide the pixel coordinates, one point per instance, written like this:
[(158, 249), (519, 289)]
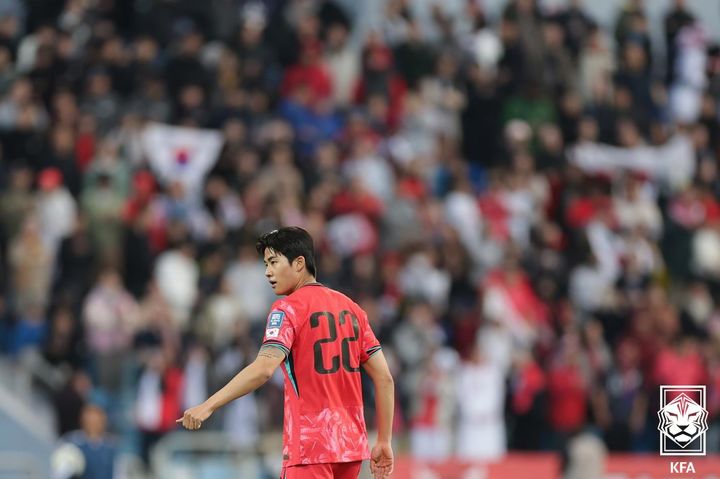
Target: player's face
[(280, 273)]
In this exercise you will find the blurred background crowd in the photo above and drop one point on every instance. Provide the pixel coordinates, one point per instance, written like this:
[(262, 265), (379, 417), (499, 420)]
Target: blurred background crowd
[(526, 205)]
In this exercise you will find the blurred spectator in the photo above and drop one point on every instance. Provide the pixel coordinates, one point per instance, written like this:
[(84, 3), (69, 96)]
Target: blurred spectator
[(528, 403), (30, 330), (100, 100), (7, 73), (223, 312), (98, 447), (421, 277), (103, 206), (434, 407), (577, 24), (559, 75), (379, 78), (596, 62), (57, 209), (676, 18), (680, 363), (246, 280), (481, 431), (17, 202), (241, 420), (343, 63), (585, 457), (636, 208), (176, 274), (632, 26), (20, 110), (76, 263), (63, 346), (60, 157), (413, 340), (110, 316), (414, 57), (309, 73), (689, 80), (508, 299), (195, 376), (184, 68), (622, 402), (568, 386), (70, 400), (159, 398), (31, 266)]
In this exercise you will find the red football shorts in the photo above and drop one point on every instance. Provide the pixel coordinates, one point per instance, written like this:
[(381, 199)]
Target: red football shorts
[(335, 470)]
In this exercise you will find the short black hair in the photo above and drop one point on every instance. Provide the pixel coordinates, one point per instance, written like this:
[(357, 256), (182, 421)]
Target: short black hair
[(292, 242)]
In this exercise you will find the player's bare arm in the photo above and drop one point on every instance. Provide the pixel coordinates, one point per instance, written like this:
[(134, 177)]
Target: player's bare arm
[(246, 381), (381, 456)]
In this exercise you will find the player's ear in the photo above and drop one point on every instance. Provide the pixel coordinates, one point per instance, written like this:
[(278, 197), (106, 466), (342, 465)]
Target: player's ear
[(299, 263)]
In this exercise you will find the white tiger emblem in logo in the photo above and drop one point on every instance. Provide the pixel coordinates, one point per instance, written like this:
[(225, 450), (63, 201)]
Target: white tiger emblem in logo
[(682, 420)]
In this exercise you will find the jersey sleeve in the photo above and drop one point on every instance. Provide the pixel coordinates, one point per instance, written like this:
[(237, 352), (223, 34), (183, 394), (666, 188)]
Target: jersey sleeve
[(369, 343), (280, 327)]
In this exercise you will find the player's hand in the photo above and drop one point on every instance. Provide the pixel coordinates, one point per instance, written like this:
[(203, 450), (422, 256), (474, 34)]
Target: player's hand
[(194, 417), (381, 460)]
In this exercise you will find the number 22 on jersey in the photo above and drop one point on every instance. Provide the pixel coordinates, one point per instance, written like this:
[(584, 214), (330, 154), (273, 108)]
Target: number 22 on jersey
[(316, 320)]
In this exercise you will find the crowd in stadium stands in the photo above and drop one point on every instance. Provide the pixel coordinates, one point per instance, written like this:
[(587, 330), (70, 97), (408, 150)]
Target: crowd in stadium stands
[(526, 206)]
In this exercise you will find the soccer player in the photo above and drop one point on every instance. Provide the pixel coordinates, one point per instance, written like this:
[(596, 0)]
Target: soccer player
[(321, 338)]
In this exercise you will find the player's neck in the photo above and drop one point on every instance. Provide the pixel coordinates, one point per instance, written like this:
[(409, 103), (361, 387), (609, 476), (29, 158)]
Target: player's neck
[(304, 282)]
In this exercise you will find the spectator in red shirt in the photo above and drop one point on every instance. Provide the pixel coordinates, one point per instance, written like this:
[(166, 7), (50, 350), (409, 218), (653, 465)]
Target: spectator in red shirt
[(309, 72), (568, 391)]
